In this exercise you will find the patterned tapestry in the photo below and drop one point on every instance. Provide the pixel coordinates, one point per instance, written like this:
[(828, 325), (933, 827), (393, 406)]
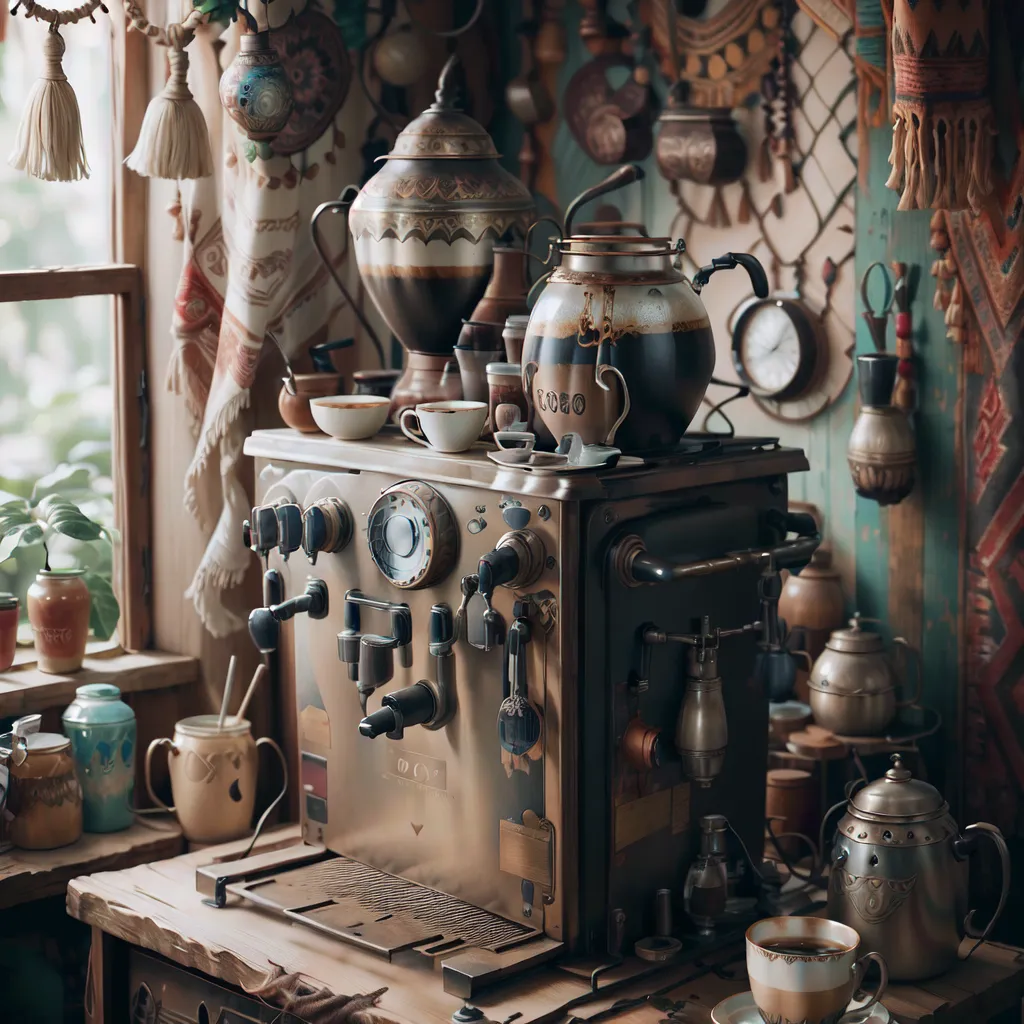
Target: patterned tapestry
[(981, 277)]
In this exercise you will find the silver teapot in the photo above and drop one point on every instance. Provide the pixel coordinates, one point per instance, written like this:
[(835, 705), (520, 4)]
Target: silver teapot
[(900, 873)]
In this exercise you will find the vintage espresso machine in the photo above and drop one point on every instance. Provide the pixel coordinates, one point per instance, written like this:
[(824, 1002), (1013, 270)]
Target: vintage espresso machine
[(516, 694)]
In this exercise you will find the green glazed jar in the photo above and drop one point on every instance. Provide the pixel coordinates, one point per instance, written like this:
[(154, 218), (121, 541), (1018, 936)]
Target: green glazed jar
[(101, 728)]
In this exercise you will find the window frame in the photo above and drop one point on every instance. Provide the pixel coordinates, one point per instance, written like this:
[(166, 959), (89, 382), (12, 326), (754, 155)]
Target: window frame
[(124, 280)]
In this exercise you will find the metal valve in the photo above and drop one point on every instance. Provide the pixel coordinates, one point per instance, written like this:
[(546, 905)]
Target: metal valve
[(326, 526), (516, 561), (289, 528), (370, 656), (265, 623), (415, 705), (261, 530)]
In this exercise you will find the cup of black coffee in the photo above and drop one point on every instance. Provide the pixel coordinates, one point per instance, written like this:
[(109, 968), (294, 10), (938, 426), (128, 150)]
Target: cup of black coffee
[(807, 969)]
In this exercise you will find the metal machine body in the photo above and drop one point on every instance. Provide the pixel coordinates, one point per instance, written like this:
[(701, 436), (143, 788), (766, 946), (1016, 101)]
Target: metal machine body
[(563, 845)]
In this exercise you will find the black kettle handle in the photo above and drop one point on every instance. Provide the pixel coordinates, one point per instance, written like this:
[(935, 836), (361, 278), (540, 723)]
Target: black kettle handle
[(731, 260)]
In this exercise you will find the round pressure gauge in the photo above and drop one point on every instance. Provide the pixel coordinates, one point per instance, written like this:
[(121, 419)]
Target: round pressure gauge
[(412, 534), (775, 346)]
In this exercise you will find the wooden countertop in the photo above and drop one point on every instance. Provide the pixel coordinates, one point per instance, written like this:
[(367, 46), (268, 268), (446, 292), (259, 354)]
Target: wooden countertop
[(32, 874), (156, 907)]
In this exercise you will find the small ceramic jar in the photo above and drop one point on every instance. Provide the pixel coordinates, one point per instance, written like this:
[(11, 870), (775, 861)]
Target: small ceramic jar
[(213, 776), (514, 336), (505, 387), (101, 728), (296, 391), (58, 609), (44, 802), (8, 630)]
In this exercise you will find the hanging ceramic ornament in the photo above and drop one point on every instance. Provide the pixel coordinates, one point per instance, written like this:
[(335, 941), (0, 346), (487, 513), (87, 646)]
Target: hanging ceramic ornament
[(255, 91), (49, 142)]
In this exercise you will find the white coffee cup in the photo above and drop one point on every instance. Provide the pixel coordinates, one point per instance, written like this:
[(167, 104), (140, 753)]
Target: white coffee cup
[(807, 969), (445, 426), (350, 417)]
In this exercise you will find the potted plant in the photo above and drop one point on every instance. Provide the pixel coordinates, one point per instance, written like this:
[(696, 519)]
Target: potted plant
[(72, 596)]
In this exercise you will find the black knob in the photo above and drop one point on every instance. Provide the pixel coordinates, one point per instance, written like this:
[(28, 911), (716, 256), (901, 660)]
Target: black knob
[(497, 567), (265, 629), (412, 706), (442, 625), (246, 534), (314, 533)]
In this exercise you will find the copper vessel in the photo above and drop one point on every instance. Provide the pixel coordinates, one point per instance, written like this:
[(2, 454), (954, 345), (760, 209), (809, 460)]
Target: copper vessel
[(425, 226), (881, 451), (619, 347), (813, 602), (900, 874), (700, 145), (505, 295), (853, 683)]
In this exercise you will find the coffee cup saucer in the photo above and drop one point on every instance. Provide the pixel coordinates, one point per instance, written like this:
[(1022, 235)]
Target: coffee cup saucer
[(740, 1009)]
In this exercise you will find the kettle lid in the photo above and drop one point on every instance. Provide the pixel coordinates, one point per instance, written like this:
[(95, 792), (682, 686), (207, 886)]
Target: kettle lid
[(442, 130), (855, 640), (899, 795)]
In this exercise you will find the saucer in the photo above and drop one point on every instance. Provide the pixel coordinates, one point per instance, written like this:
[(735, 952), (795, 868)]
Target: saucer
[(740, 1009)]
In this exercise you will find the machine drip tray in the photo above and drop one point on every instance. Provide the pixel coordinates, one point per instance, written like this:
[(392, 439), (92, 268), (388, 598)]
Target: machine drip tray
[(378, 912)]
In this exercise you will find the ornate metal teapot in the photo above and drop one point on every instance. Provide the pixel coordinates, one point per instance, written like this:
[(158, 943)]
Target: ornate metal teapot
[(619, 346), (900, 873)]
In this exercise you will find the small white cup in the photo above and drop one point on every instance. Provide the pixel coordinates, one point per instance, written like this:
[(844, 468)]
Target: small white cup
[(350, 417), (448, 427)]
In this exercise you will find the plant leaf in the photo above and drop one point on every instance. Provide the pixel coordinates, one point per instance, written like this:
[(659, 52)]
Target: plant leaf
[(77, 526), (26, 533), (66, 477), (104, 611)]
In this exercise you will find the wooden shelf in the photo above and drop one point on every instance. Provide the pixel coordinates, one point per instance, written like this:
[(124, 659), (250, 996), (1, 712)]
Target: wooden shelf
[(28, 690), (27, 875)]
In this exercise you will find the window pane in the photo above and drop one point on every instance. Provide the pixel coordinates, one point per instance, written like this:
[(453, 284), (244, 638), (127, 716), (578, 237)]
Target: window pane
[(56, 409), (51, 223)]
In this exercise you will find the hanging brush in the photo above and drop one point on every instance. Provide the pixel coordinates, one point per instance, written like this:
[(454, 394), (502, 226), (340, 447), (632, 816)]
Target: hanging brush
[(49, 143)]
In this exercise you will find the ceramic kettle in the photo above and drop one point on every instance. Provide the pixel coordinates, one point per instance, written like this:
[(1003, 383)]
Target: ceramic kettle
[(900, 874), (853, 683)]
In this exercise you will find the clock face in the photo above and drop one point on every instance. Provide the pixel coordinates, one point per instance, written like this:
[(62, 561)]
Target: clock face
[(768, 347)]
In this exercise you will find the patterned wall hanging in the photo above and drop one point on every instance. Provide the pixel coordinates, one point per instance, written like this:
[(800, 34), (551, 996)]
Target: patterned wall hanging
[(944, 126), (980, 284), (722, 58)]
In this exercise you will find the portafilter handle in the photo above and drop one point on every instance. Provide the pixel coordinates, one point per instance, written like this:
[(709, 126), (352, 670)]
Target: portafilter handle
[(265, 623)]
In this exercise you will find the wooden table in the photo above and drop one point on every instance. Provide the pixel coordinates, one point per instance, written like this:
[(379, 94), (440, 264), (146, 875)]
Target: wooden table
[(156, 907)]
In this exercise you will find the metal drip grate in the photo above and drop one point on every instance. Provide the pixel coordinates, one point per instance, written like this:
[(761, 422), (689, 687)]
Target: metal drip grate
[(398, 913)]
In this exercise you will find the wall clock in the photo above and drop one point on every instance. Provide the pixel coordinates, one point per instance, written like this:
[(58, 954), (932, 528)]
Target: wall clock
[(780, 351)]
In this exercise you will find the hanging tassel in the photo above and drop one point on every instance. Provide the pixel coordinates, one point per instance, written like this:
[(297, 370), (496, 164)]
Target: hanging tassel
[(174, 142), (49, 143)]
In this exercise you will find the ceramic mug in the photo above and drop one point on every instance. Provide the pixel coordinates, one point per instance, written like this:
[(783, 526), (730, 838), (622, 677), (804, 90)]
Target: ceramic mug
[(213, 777), (807, 968), (445, 426)]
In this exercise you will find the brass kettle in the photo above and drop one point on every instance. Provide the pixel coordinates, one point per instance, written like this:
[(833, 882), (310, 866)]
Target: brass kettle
[(853, 683), (900, 875)]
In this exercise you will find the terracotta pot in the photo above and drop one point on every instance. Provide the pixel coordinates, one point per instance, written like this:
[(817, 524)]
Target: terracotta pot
[(45, 800), (791, 795), (9, 608), (881, 452), (506, 292), (813, 602), (58, 609), (213, 776), (294, 405)]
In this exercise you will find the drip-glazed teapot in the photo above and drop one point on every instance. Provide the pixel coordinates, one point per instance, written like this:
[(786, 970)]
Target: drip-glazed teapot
[(900, 873), (619, 346), (853, 683)]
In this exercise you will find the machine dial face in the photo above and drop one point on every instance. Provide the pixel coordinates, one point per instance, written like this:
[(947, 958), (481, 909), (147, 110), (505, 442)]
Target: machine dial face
[(775, 348), (412, 535)]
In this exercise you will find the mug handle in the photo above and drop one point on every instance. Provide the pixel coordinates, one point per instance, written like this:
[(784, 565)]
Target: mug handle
[(172, 749), (418, 438), (859, 970), (284, 788), (601, 371), (529, 372)]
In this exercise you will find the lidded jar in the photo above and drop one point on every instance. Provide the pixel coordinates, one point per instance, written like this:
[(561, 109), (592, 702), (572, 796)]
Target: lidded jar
[(812, 601), (101, 728), (900, 875), (853, 683), (9, 608), (58, 609), (424, 226)]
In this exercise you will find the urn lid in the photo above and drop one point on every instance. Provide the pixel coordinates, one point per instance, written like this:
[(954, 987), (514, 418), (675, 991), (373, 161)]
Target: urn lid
[(97, 704), (855, 640), (898, 795), (443, 131)]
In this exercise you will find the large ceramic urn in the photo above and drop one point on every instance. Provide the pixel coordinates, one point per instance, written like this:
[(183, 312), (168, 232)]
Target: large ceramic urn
[(425, 224)]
